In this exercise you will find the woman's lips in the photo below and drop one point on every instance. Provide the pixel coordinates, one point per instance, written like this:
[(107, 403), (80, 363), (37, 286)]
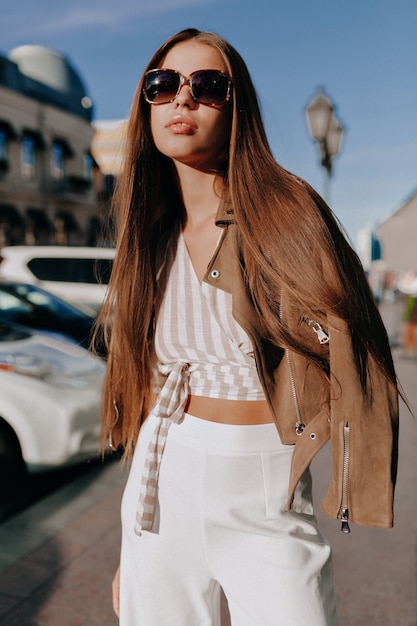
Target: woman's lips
[(182, 126)]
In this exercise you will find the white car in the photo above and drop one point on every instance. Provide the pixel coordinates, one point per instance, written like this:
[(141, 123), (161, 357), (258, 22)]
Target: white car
[(77, 274), (50, 402)]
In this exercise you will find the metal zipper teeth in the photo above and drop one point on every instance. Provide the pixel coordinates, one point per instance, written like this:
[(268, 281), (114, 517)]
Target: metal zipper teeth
[(344, 511), (299, 426)]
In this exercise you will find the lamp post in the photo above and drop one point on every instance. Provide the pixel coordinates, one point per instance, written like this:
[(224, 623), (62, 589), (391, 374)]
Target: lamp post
[(327, 132)]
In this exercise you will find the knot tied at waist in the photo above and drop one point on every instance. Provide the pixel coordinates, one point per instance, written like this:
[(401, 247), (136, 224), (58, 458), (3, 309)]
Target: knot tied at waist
[(169, 408)]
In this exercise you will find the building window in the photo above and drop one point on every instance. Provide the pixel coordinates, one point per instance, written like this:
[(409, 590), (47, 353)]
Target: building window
[(7, 133), (3, 146), (61, 150), (57, 160), (32, 143), (27, 155), (88, 166)]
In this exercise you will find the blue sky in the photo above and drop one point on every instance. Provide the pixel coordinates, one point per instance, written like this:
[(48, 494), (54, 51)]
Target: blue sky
[(363, 52)]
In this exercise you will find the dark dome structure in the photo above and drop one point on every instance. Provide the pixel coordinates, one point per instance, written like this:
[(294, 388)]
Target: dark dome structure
[(49, 76)]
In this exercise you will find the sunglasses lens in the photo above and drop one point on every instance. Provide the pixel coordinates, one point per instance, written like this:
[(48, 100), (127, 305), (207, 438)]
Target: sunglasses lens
[(207, 86), (161, 86), (210, 86)]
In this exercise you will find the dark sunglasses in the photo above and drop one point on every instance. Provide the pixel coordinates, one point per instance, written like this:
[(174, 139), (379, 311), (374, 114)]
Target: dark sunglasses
[(210, 87)]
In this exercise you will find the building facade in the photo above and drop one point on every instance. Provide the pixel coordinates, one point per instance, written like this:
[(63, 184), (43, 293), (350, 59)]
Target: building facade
[(397, 238), (398, 234), (50, 184), (108, 145)]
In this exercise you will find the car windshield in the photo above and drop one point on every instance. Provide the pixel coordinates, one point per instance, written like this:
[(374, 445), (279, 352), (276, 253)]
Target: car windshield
[(23, 304)]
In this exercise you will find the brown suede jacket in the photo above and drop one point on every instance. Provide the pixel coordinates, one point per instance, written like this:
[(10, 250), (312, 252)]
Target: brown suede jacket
[(363, 431)]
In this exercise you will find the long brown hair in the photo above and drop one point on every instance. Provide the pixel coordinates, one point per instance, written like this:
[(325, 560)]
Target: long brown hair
[(288, 237)]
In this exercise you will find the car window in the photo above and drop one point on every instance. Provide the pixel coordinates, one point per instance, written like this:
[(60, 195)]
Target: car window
[(45, 301), (27, 305), (12, 307), (70, 270)]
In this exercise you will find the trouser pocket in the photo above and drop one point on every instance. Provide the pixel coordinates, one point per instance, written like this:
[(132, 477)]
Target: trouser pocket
[(276, 474)]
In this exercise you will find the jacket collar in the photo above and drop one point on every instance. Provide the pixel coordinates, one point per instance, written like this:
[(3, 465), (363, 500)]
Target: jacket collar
[(225, 212)]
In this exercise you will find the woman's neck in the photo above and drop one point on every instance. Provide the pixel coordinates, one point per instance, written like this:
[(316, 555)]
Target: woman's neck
[(198, 193)]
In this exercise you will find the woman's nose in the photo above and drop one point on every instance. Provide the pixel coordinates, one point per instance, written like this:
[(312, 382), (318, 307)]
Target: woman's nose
[(184, 97)]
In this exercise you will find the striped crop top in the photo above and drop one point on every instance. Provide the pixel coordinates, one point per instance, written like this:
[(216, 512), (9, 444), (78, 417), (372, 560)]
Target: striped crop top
[(199, 350), (195, 325)]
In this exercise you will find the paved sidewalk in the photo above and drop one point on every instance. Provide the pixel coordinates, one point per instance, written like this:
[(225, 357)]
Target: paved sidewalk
[(58, 557)]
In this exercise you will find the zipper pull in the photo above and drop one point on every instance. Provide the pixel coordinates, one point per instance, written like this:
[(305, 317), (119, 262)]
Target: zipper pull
[(299, 427), (322, 336), (345, 523)]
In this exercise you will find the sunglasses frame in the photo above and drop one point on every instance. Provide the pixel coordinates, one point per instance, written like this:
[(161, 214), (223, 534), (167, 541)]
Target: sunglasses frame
[(187, 80)]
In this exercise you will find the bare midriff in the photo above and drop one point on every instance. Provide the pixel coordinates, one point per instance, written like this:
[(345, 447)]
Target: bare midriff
[(238, 412)]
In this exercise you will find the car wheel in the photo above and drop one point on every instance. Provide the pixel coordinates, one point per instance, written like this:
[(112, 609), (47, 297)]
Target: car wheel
[(12, 467)]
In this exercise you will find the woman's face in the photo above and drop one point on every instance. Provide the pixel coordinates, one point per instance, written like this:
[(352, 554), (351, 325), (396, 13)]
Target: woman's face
[(188, 132)]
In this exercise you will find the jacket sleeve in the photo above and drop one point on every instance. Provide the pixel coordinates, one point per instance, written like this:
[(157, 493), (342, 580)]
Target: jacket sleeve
[(364, 436)]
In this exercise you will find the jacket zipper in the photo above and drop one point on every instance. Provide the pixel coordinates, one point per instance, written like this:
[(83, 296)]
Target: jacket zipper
[(299, 425), (322, 336), (344, 510)]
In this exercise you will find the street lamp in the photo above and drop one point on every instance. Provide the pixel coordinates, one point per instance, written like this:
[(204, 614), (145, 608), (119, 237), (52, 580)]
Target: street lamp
[(326, 130)]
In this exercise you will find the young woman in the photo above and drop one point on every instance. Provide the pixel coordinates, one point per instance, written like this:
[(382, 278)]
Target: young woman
[(242, 337)]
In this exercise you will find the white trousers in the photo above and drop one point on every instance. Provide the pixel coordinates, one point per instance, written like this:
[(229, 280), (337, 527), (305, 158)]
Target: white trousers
[(221, 523)]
